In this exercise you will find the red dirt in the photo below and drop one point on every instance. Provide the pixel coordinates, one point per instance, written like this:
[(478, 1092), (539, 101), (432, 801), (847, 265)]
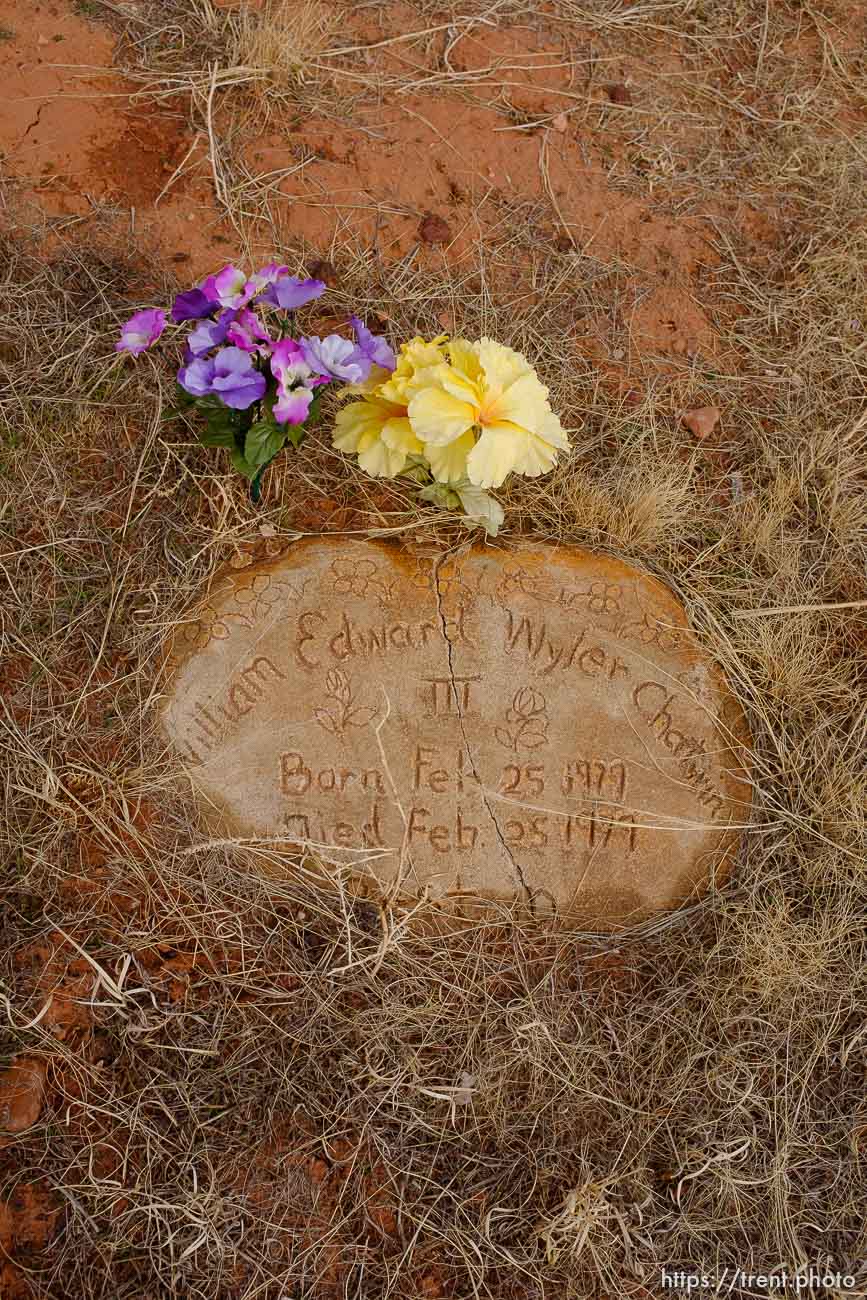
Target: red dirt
[(76, 141), (73, 142), (21, 1089), (27, 1221), (54, 972)]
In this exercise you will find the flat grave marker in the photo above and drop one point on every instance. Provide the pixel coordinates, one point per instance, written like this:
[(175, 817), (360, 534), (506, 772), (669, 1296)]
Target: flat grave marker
[(534, 723)]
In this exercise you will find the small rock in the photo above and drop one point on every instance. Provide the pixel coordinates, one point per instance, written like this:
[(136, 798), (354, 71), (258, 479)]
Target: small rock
[(21, 1090), (618, 93), (463, 1095), (430, 1285), (434, 230), (702, 421), (324, 270), (560, 123), (267, 530)]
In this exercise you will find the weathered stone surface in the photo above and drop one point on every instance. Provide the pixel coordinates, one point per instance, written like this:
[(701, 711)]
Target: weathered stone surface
[(536, 723)]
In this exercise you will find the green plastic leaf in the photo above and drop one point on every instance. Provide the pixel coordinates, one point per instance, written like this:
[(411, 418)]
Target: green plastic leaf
[(264, 439), (221, 418), (243, 466), (441, 494), (481, 508), (215, 437), (268, 401), (295, 433), (313, 409), (183, 398)]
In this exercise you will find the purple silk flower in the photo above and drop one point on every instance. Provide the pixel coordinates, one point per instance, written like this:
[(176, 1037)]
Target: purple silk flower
[(336, 358), (192, 305), (295, 382), (229, 287), (209, 334), (377, 350), (230, 375), (141, 330), (246, 331), (289, 292)]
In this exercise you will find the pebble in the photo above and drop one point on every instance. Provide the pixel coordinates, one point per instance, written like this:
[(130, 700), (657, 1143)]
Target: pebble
[(702, 421)]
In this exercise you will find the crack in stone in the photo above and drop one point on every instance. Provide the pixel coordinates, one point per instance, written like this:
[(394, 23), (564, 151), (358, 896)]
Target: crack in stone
[(449, 654)]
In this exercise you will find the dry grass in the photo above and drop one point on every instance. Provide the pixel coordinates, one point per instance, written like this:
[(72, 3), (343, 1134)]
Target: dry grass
[(259, 1089), (284, 40)]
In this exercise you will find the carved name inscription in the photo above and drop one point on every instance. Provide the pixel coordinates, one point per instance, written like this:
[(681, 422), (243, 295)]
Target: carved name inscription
[(538, 724)]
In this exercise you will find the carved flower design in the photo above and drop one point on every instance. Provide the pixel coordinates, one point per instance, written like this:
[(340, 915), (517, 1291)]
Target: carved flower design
[(655, 629), (527, 719), (251, 599), (604, 597), (526, 704), (209, 626), (255, 591), (422, 574), (353, 577), (361, 578), (241, 606), (336, 684), (516, 578)]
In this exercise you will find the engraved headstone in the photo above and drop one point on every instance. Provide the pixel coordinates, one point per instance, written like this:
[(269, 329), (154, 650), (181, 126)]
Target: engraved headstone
[(538, 723)]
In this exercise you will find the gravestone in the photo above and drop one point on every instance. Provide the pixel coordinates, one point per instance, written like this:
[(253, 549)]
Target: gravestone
[(536, 724)]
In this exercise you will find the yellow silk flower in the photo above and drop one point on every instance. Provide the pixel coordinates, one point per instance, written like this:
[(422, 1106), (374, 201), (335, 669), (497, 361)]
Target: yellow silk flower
[(414, 358), (491, 387), (379, 432), (376, 426)]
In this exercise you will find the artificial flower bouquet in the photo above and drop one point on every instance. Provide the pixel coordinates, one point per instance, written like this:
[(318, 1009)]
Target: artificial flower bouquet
[(254, 384), (454, 416), (457, 416)]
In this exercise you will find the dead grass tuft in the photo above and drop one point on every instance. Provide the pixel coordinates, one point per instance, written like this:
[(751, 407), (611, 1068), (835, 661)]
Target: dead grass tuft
[(283, 40)]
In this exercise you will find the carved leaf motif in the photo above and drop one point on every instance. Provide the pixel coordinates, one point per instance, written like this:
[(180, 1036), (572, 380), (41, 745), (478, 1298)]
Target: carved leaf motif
[(338, 686), (505, 737), (361, 717), (325, 720), (532, 734)]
